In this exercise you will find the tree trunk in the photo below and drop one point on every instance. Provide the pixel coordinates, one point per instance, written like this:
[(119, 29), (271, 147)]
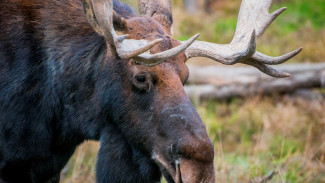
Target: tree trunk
[(190, 6), (224, 82), (207, 6)]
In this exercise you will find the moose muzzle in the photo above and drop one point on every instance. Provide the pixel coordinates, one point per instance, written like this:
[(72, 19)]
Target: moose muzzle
[(187, 156)]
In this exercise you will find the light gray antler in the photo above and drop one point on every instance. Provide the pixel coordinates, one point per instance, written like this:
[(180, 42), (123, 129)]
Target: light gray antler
[(253, 19)]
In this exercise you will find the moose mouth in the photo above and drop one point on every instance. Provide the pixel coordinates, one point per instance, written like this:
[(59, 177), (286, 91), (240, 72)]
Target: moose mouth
[(170, 170)]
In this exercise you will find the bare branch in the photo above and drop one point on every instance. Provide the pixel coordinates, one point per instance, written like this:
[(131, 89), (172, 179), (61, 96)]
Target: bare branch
[(266, 178)]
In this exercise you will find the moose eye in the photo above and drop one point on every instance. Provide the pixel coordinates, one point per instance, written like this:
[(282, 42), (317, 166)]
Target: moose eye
[(140, 79)]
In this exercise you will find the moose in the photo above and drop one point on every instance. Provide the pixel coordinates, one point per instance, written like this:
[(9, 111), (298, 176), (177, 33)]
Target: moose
[(76, 70)]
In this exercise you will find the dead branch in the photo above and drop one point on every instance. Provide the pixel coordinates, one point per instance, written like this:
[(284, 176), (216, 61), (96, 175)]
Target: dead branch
[(222, 82), (265, 179)]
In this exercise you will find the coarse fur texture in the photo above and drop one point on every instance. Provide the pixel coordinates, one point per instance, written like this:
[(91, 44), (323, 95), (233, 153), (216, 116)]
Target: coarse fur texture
[(61, 84)]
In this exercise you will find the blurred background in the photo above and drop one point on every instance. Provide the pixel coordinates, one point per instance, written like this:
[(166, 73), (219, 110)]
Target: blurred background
[(263, 129)]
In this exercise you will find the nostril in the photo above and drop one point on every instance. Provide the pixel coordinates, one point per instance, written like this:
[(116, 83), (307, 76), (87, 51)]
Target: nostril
[(199, 150), (195, 172), (178, 178)]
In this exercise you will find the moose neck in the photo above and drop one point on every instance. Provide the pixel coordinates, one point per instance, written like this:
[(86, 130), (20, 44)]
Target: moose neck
[(77, 56)]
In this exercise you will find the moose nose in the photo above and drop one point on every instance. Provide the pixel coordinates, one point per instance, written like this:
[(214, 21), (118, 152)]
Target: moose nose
[(196, 147), (195, 157)]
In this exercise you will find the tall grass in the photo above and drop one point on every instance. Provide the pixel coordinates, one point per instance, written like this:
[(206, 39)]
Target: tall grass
[(258, 135)]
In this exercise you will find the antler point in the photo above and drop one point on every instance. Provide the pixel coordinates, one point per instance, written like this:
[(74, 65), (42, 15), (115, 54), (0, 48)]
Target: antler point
[(278, 12), (285, 75)]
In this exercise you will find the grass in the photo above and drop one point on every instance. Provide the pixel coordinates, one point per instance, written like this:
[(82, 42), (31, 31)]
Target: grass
[(257, 135), (252, 137), (81, 167)]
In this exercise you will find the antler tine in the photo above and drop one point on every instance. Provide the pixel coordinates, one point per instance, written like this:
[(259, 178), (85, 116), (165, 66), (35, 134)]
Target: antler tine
[(253, 17), (275, 60), (268, 70), (254, 14), (130, 48), (155, 59)]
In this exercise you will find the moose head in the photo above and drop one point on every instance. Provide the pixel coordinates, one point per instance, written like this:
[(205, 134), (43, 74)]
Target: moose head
[(152, 111)]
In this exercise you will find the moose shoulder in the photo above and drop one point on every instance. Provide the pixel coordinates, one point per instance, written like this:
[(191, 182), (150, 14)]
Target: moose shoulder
[(77, 70)]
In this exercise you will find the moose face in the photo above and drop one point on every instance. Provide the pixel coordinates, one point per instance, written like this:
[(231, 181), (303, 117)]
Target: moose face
[(158, 119)]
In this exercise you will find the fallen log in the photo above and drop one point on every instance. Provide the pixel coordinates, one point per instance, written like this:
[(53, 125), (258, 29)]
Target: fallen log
[(224, 82)]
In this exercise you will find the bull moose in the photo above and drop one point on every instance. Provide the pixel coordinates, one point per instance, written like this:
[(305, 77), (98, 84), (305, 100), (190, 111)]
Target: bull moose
[(76, 70)]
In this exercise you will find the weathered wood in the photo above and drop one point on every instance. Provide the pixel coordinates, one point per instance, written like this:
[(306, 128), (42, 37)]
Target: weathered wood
[(191, 6), (207, 5), (223, 82)]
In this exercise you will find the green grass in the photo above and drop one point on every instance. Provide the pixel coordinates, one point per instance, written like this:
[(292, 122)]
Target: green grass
[(259, 135), (302, 13)]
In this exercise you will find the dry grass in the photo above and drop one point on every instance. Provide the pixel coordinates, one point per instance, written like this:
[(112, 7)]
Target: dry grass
[(257, 135), (81, 167)]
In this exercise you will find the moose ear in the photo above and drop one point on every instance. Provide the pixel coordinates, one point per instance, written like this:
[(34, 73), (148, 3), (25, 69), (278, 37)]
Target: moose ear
[(119, 22), (160, 10)]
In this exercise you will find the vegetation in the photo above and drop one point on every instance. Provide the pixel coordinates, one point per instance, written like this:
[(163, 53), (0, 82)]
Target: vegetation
[(257, 135)]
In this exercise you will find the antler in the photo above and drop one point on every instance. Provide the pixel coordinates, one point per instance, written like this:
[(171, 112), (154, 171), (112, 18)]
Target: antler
[(100, 15), (253, 20), (152, 60)]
